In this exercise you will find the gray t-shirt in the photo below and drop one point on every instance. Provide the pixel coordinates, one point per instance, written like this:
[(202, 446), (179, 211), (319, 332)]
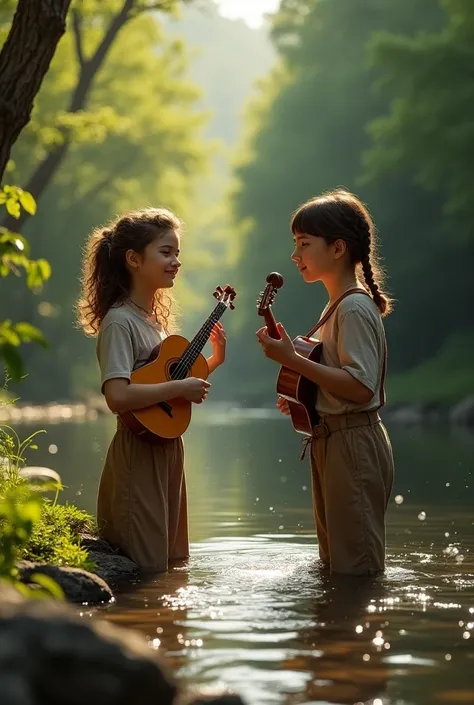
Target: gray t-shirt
[(125, 342), (354, 340)]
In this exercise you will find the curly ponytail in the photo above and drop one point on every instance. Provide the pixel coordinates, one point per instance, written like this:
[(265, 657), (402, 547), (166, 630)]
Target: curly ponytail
[(105, 278), (340, 215)]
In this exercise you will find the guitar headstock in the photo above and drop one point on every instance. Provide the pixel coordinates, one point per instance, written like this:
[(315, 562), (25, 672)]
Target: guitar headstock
[(267, 296), (225, 295)]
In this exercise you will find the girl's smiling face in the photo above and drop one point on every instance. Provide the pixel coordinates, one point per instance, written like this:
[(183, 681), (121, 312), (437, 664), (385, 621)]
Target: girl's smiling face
[(158, 264)]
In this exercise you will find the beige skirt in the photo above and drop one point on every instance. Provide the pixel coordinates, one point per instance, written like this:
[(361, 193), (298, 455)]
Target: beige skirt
[(142, 505), (352, 478)]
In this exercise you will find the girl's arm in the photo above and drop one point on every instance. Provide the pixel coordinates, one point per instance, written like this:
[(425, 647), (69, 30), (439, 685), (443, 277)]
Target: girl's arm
[(116, 358), (339, 383), (122, 396), (355, 380)]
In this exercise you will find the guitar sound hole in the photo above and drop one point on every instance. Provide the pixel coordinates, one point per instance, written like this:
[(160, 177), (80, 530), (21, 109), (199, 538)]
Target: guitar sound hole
[(174, 372)]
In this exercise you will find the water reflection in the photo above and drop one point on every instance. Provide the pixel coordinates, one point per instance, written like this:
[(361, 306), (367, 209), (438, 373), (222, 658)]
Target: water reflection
[(251, 610), (352, 641)]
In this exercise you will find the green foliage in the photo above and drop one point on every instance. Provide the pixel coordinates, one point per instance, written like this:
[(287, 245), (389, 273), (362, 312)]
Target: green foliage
[(136, 143), (33, 526), (55, 537), (15, 258), (429, 125), (445, 378), (347, 67)]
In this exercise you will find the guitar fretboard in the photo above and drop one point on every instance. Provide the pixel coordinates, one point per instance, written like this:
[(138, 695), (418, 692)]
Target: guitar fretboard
[(190, 355)]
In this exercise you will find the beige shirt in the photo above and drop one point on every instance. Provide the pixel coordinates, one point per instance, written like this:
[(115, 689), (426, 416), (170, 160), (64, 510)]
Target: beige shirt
[(354, 340), (125, 342)]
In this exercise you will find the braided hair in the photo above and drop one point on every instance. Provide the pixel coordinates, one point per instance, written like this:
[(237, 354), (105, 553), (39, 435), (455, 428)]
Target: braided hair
[(340, 215)]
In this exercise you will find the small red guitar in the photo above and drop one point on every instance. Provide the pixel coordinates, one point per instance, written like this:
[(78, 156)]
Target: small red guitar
[(298, 391)]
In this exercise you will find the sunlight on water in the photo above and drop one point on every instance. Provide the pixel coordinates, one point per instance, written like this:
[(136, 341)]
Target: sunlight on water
[(252, 611)]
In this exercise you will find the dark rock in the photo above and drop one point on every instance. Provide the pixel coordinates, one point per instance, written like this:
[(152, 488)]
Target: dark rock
[(463, 413), (49, 655), (78, 585), (92, 543), (112, 567)]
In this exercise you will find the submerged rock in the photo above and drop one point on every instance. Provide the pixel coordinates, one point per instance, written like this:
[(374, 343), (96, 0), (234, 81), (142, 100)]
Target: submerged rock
[(109, 564), (78, 585)]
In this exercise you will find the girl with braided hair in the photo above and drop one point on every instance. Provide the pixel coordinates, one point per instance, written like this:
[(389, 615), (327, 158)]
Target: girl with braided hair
[(351, 455)]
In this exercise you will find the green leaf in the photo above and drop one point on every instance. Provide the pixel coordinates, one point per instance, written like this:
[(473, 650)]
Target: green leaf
[(13, 361), (30, 334), (28, 202), (12, 241), (44, 268), (30, 510), (38, 272), (13, 207), (8, 335)]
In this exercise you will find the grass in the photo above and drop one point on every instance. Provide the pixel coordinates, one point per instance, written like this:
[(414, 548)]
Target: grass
[(33, 526)]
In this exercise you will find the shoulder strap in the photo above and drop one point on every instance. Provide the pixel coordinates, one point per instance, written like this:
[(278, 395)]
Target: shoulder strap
[(384, 373), (333, 307), (328, 315)]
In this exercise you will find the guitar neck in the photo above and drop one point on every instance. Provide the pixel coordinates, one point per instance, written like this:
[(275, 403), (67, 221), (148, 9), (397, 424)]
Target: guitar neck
[(197, 344), (271, 324)]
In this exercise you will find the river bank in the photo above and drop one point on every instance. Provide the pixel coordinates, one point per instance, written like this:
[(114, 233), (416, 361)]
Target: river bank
[(106, 571), (460, 413)]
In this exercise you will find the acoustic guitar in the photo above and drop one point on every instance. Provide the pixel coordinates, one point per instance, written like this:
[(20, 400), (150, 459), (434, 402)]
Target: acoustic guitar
[(299, 392), (175, 358)]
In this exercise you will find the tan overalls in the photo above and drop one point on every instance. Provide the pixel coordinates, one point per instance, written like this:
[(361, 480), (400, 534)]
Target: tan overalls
[(351, 456)]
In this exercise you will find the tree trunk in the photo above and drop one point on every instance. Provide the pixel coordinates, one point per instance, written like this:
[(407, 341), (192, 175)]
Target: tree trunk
[(37, 27), (88, 69)]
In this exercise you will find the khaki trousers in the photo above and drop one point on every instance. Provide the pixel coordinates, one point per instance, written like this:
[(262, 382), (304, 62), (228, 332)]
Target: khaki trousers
[(352, 479), (142, 506)]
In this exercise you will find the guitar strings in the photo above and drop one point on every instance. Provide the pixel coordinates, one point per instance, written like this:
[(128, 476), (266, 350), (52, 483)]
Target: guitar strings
[(194, 348)]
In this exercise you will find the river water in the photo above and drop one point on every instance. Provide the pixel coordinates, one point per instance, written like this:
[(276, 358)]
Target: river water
[(250, 610)]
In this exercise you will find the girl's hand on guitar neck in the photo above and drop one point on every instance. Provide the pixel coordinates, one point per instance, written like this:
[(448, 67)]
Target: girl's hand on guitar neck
[(282, 405), (281, 351), (219, 342)]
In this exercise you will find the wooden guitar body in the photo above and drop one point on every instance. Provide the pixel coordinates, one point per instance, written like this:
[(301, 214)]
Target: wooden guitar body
[(155, 422), (300, 392), (172, 360)]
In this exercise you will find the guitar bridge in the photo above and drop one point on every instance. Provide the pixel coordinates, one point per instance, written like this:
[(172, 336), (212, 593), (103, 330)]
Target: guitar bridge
[(167, 408)]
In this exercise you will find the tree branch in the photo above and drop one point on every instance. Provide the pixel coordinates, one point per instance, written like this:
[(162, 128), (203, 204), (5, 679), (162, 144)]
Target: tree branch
[(77, 31)]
